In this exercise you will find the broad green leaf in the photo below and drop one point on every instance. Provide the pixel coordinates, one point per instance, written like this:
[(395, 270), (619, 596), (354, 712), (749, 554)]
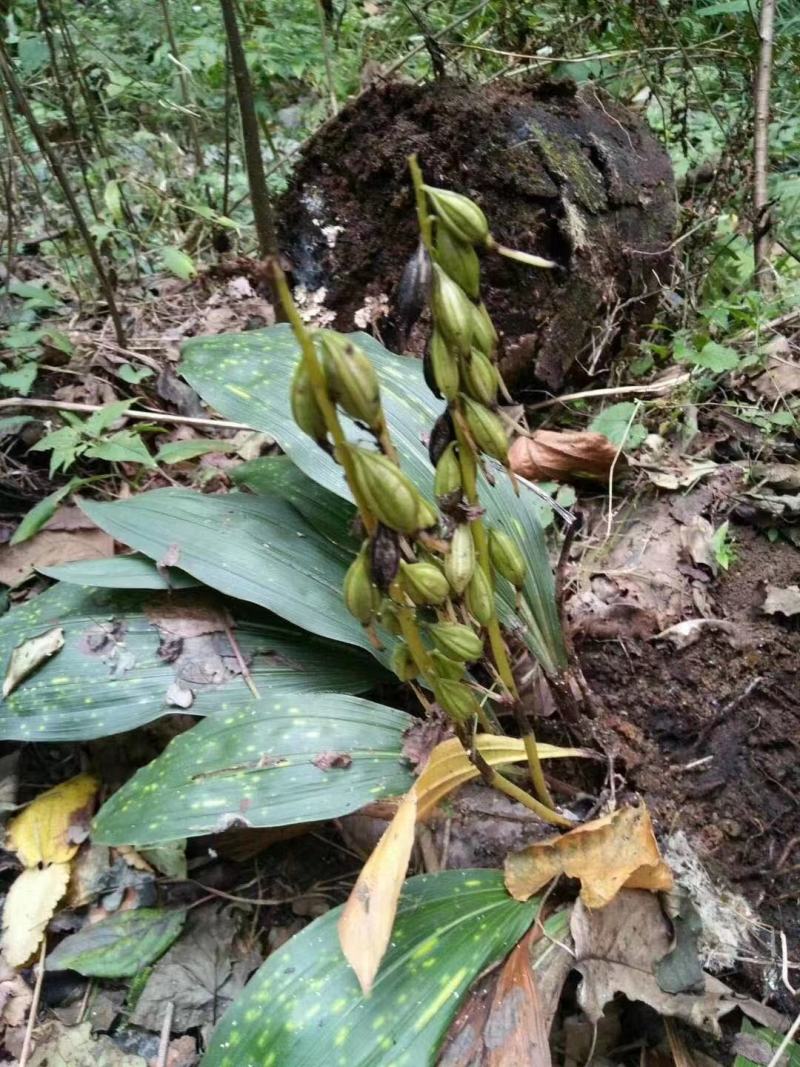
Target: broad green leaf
[(43, 511), (255, 548), (20, 380), (304, 1007), (59, 340), (112, 198), (133, 375), (263, 765), (716, 357), (329, 514), (36, 295), (615, 424), (178, 263), (13, 423), (109, 676), (120, 572), (120, 946), (179, 451), (247, 377)]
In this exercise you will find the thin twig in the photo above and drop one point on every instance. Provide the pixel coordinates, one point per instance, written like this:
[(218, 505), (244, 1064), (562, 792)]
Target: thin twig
[(166, 1030), (432, 37), (761, 219), (146, 416), (37, 993), (237, 652), (656, 388)]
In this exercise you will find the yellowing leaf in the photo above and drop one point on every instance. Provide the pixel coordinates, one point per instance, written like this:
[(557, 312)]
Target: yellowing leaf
[(366, 922), (29, 905), (606, 854), (449, 765), (29, 655), (51, 828), (365, 925)]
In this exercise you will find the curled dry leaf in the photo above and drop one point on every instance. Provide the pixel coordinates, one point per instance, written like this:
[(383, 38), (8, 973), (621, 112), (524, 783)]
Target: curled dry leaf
[(52, 827), (617, 950), (15, 996), (562, 455), (366, 922), (31, 654), (606, 854), (29, 905)]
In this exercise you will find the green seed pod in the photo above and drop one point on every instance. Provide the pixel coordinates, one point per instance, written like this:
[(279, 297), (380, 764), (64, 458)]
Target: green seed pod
[(486, 429), (352, 380), (444, 667), (459, 260), (305, 409), (484, 335), (444, 366), (452, 311), (424, 583), (456, 700), (403, 663), (506, 557), (457, 641), (479, 597), (448, 473), (387, 616), (459, 563), (390, 495), (360, 595), (426, 516), (480, 378), (460, 214)]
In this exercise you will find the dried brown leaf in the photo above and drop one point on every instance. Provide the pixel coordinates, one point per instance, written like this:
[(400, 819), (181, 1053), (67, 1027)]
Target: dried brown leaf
[(29, 905), (606, 854), (189, 615), (365, 925), (15, 996), (516, 1030), (48, 548), (562, 455), (25, 658), (783, 601)]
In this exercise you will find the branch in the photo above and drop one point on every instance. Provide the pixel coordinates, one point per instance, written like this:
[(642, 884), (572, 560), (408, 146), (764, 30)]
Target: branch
[(761, 213)]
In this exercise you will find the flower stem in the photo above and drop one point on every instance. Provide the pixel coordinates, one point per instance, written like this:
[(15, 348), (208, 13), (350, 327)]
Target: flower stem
[(423, 216), (317, 379)]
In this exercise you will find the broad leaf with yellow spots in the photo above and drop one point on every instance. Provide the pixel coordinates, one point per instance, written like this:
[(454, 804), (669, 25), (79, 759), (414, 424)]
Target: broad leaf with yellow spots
[(305, 1006)]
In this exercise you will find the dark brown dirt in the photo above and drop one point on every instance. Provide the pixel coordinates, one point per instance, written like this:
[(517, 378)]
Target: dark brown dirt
[(569, 175), (666, 709)]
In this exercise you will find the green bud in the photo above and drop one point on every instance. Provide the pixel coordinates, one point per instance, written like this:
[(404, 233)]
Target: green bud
[(459, 214), (506, 557), (390, 495), (444, 667), (424, 583), (444, 366), (484, 335), (403, 663), (479, 597), (452, 311), (480, 378), (361, 597), (486, 429), (457, 641), (456, 700), (448, 473), (459, 563), (459, 260), (305, 409), (352, 380)]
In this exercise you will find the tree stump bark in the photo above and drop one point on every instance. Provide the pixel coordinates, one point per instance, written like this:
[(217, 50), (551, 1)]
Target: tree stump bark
[(566, 174)]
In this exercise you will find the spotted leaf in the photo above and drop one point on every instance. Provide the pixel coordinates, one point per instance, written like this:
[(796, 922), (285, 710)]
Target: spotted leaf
[(305, 1006), (117, 664), (119, 946), (261, 766)]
